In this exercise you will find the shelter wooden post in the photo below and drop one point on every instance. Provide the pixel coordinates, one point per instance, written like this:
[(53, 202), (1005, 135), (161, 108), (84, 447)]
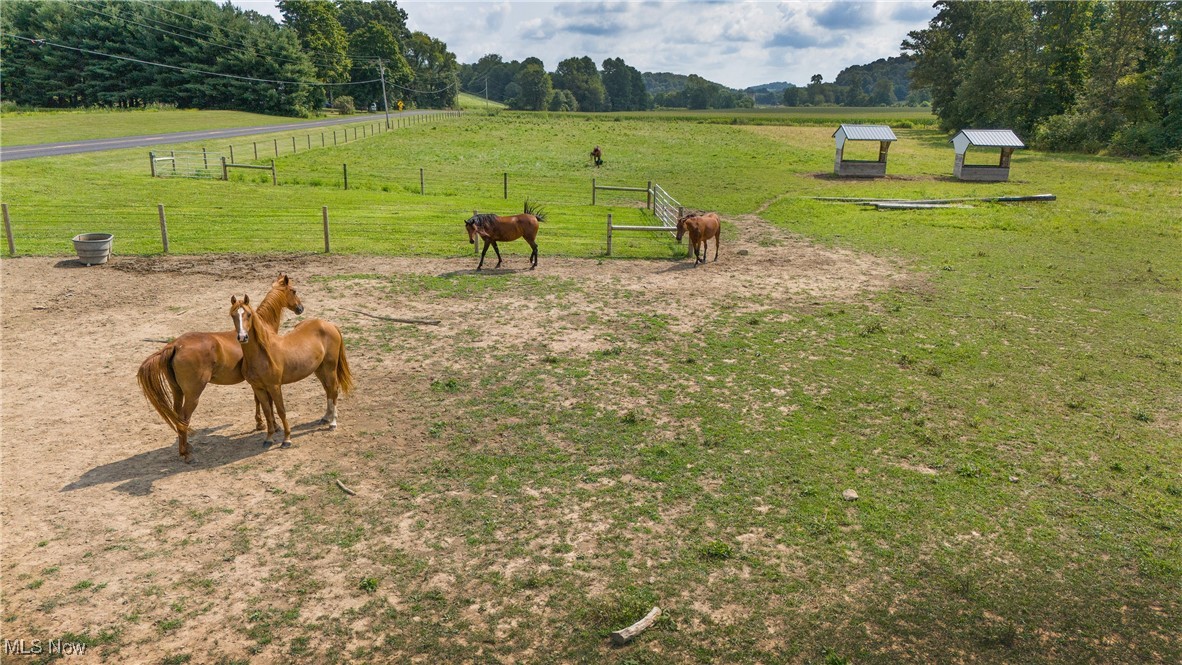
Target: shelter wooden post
[(164, 224), (324, 213), (883, 147), (8, 230), (609, 234)]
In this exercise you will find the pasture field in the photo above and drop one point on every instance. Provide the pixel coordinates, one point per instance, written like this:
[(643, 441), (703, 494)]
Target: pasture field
[(21, 128), (1000, 384)]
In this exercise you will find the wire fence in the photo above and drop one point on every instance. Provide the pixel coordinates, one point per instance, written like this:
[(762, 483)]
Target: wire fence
[(423, 229)]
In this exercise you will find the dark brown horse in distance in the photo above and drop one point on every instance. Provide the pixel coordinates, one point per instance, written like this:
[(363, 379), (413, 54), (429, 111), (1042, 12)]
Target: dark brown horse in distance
[(597, 156), (701, 228), (494, 228)]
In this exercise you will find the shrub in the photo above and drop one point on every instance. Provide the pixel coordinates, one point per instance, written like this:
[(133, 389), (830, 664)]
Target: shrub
[(344, 105)]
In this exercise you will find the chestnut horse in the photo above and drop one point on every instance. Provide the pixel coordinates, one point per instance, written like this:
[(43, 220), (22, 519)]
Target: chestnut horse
[(493, 228), (701, 228), (192, 361), (270, 360)]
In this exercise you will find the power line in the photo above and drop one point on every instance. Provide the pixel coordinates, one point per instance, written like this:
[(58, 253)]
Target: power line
[(45, 42)]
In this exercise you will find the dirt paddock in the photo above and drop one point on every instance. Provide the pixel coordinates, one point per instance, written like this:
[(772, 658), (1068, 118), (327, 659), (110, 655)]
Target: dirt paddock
[(95, 497)]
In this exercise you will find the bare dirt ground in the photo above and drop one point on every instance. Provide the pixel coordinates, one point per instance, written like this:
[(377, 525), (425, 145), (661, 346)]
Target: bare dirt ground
[(94, 495)]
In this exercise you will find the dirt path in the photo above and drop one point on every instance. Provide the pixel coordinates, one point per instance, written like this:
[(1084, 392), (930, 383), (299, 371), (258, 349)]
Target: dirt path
[(92, 486)]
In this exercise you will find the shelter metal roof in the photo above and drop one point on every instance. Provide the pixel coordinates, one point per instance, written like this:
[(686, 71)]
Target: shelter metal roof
[(867, 132), (991, 138)]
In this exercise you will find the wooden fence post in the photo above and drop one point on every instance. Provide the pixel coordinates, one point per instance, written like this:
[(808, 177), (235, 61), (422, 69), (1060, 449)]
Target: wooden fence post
[(609, 234), (164, 223), (324, 212), (293, 147), (274, 177), (345, 168), (231, 153), (592, 191), (475, 245), (152, 159), (172, 153), (506, 185), (422, 182), (256, 150), (649, 204), (8, 230), (204, 158), (276, 141), (309, 141), (225, 170), (321, 139)]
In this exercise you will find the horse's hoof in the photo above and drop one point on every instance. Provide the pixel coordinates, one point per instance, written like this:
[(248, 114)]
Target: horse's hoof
[(258, 427), (268, 443), (189, 460), (285, 445), (332, 427)]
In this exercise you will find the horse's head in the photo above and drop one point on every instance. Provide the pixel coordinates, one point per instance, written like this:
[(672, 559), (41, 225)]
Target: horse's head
[(288, 293), (471, 224), (681, 227), (241, 313)]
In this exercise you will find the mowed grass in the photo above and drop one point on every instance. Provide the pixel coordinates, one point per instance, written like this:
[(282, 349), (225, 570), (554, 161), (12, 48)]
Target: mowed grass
[(1010, 421), (24, 128)]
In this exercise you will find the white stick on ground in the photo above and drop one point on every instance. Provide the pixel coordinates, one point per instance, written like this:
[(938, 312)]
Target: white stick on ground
[(623, 636)]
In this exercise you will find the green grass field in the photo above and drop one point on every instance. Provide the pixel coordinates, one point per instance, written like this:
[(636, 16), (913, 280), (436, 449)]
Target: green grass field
[(1011, 421)]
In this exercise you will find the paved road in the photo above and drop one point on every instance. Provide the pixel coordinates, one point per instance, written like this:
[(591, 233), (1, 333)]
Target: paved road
[(11, 152)]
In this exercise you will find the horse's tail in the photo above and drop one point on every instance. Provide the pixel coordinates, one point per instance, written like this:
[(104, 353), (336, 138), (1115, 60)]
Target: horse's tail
[(157, 381), (535, 210), (344, 376)]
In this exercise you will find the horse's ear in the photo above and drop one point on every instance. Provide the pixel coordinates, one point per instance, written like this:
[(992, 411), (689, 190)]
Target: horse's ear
[(286, 281), (245, 300), (233, 300)]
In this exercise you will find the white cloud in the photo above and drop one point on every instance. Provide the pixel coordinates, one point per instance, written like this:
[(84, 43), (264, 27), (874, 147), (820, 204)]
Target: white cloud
[(734, 42)]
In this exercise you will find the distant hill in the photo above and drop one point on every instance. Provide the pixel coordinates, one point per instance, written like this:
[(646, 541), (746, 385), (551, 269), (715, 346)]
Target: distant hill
[(777, 86), (659, 82)]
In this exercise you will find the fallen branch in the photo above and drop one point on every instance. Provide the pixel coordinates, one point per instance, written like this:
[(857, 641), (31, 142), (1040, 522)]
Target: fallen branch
[(621, 637), (425, 322), (988, 199), (160, 341), (346, 490)]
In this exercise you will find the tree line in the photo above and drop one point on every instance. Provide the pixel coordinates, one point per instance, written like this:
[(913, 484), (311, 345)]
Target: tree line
[(577, 84), (1086, 76), (210, 56)]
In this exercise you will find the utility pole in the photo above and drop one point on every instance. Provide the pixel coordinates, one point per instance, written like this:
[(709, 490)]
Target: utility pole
[(385, 101), (486, 91)]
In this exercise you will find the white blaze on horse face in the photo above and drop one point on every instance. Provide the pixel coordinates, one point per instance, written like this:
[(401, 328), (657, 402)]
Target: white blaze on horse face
[(242, 336)]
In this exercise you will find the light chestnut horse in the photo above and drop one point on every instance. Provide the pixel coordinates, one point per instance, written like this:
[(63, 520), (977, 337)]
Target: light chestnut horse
[(194, 360), (270, 360), (494, 228), (701, 228)]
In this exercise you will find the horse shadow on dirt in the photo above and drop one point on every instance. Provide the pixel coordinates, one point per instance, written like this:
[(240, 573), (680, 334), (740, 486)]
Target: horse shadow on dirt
[(487, 272), (136, 474)]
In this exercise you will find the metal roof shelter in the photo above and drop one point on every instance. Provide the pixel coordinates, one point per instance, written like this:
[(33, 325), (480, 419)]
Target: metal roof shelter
[(862, 168), (1005, 139)]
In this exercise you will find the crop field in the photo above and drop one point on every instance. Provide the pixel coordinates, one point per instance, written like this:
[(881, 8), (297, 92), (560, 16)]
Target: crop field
[(999, 384)]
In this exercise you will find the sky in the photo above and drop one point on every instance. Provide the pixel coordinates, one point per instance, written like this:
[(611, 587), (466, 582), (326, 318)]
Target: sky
[(738, 43)]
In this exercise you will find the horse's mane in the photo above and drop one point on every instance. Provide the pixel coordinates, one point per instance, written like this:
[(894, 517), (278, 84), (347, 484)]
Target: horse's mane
[(535, 210), (482, 219)]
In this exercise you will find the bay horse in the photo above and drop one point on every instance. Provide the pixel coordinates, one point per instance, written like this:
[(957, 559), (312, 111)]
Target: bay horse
[(493, 228), (195, 359), (701, 228), (270, 360)]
